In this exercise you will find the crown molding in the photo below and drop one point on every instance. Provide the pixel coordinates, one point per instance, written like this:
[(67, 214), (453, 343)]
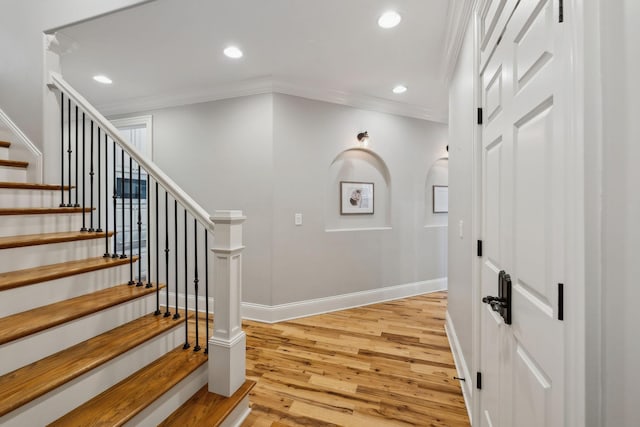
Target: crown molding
[(458, 17), (264, 85)]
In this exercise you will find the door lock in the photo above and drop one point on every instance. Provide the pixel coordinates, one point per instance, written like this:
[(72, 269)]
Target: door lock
[(502, 303)]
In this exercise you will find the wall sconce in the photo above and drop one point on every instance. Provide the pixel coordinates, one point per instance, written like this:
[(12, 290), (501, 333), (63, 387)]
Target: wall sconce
[(363, 138)]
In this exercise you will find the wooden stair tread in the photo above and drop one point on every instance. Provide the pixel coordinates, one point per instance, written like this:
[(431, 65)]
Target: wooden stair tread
[(48, 238), (205, 408), (29, 322), (5, 144), (14, 163), (32, 381), (122, 402), (42, 211), (31, 186), (29, 276)]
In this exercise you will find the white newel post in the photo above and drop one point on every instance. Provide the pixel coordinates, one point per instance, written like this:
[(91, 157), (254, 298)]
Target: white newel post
[(227, 347)]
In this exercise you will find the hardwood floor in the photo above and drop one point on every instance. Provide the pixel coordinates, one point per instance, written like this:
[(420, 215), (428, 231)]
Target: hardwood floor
[(387, 364)]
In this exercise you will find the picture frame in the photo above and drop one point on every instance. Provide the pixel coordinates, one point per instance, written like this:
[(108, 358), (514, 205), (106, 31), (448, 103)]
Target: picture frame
[(440, 199), (356, 198)]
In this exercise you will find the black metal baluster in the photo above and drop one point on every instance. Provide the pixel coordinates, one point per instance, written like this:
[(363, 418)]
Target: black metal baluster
[(131, 281), (106, 197), (157, 312), (206, 288), (175, 227), (115, 203), (166, 247), (99, 211), (139, 231), (84, 161), (91, 173), (69, 151), (123, 255), (195, 281), (76, 204), (62, 205), (186, 289), (149, 282)]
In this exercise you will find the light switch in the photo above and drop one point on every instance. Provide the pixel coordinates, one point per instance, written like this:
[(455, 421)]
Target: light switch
[(460, 228), (298, 219)]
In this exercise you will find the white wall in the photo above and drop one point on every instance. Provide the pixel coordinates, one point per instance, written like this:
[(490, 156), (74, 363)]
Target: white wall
[(308, 261), (620, 69), (221, 154), (22, 24), (270, 155), (461, 250)]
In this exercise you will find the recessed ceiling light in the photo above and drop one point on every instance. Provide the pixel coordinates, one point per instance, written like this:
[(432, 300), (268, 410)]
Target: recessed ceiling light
[(102, 79), (233, 52), (389, 19), (399, 89)]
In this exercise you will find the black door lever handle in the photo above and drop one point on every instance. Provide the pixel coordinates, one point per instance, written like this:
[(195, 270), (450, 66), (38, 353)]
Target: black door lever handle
[(489, 299)]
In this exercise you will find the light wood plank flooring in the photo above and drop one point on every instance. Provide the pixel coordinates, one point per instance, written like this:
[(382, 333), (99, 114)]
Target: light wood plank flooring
[(386, 364)]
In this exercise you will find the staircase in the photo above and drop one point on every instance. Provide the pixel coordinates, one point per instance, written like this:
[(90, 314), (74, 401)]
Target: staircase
[(81, 344)]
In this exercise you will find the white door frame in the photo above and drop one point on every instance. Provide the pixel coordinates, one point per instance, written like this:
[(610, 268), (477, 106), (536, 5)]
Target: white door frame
[(146, 121), (574, 302)]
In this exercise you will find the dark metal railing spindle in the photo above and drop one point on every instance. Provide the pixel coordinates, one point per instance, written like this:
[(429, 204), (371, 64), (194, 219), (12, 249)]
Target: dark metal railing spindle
[(206, 287), (62, 150), (69, 150), (91, 173), (115, 203), (123, 255), (186, 289), (166, 248), (149, 282), (84, 161), (157, 312), (175, 227), (106, 197), (139, 230), (195, 281), (99, 211), (76, 204), (131, 281)]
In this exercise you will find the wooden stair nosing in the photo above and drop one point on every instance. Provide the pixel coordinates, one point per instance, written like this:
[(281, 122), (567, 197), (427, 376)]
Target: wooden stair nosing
[(32, 186), (30, 276), (5, 144), (125, 400), (207, 408), (25, 384), (14, 164), (10, 242), (43, 211), (29, 322)]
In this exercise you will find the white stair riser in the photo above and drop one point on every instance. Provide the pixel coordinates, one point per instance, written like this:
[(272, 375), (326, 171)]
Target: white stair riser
[(21, 198), (39, 255), (24, 298), (29, 349), (55, 404), (4, 153), (171, 400), (11, 174), (15, 225)]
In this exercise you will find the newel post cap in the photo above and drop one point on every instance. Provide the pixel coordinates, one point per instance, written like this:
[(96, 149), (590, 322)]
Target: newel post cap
[(228, 216)]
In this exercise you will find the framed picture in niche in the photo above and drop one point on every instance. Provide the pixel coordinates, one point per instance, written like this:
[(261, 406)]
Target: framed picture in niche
[(440, 199), (356, 198)]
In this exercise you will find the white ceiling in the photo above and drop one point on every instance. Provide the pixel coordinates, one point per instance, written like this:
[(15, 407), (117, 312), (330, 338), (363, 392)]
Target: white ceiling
[(169, 52)]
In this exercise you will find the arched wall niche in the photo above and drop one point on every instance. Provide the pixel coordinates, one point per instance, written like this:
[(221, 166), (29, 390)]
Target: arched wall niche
[(438, 174), (360, 165)]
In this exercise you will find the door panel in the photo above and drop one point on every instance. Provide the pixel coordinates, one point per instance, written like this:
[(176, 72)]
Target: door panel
[(522, 193)]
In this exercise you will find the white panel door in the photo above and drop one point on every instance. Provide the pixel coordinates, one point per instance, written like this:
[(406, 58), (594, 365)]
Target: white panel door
[(522, 222)]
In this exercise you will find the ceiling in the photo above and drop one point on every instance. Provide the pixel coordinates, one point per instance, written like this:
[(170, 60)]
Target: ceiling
[(169, 52)]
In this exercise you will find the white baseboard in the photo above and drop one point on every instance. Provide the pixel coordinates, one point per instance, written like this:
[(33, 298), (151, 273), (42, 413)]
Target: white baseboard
[(461, 364), (294, 310)]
